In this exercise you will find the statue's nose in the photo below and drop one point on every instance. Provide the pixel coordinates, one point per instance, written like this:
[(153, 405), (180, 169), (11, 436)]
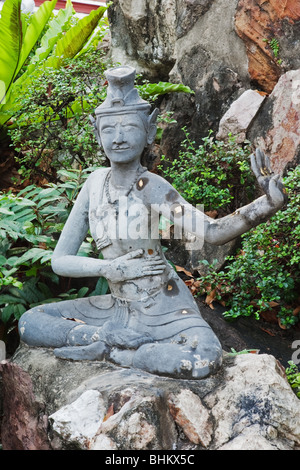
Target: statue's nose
[(119, 134)]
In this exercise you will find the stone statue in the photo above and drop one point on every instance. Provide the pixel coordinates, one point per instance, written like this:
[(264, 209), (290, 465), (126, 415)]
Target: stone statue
[(150, 320)]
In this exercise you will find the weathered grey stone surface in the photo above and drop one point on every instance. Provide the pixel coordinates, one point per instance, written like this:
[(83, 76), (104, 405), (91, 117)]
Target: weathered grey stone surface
[(276, 126), (240, 115), (248, 404), (194, 43)]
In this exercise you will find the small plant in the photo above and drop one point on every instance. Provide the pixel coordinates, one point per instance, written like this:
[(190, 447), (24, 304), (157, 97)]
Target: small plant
[(274, 45), (216, 174), (293, 377)]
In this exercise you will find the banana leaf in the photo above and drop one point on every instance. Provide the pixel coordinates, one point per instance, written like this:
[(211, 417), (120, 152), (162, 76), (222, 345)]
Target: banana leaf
[(10, 43), (55, 30), (74, 39), (67, 46), (38, 21)]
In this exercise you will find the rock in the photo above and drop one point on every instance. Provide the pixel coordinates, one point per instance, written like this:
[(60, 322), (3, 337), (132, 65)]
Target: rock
[(258, 23), (79, 421), (194, 418), (276, 126), (240, 115), (189, 42), (24, 422), (143, 35), (248, 404)]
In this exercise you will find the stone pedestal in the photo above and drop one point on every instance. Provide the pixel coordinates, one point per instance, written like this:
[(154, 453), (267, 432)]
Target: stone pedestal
[(52, 404)]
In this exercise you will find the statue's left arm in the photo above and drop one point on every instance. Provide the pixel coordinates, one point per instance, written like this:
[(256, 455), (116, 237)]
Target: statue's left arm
[(221, 231)]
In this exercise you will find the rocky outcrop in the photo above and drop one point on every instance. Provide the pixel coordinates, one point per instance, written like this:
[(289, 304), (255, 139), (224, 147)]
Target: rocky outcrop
[(276, 127), (192, 42), (270, 31), (248, 404), (218, 48)]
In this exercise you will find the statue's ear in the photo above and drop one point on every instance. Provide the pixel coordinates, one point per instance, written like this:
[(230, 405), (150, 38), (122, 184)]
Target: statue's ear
[(95, 129), (152, 127)]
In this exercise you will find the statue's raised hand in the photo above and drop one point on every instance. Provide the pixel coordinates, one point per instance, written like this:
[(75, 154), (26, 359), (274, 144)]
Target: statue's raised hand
[(267, 179)]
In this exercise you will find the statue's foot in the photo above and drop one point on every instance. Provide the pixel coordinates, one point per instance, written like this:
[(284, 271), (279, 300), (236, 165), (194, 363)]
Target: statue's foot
[(94, 352), (176, 361), (123, 338), (170, 359)]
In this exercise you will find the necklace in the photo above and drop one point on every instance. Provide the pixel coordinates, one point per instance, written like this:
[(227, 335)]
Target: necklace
[(107, 181)]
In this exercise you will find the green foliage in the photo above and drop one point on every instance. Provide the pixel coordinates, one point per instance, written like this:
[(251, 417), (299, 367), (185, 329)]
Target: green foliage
[(293, 377), (30, 223), (151, 91), (19, 36), (53, 129), (275, 46), (216, 174), (266, 272)]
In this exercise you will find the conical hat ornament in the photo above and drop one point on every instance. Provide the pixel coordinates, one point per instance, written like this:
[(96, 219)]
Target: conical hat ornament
[(122, 97)]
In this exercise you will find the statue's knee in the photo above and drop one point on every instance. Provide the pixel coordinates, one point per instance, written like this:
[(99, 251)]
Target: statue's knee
[(26, 320)]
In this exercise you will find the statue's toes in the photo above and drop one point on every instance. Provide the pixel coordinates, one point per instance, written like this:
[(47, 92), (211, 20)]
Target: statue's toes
[(95, 351)]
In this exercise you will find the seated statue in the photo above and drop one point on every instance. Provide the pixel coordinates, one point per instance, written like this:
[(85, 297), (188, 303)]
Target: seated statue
[(149, 320)]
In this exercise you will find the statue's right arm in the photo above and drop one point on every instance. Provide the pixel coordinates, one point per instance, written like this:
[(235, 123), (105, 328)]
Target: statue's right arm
[(65, 261)]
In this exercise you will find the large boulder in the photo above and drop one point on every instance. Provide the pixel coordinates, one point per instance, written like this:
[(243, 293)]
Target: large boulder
[(270, 32), (218, 48), (194, 43), (275, 128), (50, 403)]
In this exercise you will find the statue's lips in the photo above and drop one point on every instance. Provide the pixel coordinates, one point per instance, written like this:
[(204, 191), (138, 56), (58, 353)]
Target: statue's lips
[(120, 147)]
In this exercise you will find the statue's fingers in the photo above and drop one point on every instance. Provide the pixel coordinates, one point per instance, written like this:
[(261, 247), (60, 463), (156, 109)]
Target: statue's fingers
[(133, 254), (254, 166), (152, 272), (268, 164), (154, 262), (276, 190), (259, 157)]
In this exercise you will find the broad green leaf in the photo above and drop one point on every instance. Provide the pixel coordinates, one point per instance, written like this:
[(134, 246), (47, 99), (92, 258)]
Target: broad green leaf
[(35, 254), (37, 23), (10, 43), (9, 299), (56, 27), (7, 312), (152, 89), (74, 39)]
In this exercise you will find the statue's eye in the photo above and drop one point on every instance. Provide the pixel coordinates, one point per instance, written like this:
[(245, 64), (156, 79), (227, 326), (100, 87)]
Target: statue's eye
[(107, 130)]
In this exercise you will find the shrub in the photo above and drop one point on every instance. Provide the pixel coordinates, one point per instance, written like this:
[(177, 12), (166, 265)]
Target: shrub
[(293, 377), (216, 174), (53, 128)]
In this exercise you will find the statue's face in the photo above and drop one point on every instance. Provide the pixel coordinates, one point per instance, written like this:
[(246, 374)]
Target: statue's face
[(123, 137)]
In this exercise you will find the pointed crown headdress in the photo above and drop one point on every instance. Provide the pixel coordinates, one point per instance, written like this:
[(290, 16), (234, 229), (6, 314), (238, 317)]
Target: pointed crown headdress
[(122, 97)]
